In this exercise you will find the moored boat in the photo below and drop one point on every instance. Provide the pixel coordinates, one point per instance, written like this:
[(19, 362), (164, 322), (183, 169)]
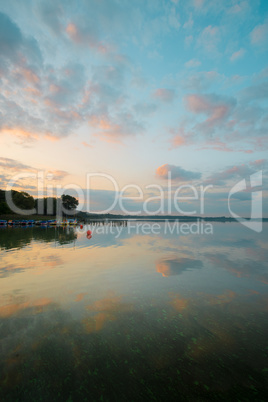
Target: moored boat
[(52, 222), (72, 221)]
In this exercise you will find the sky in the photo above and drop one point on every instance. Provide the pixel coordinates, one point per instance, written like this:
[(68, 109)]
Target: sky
[(141, 91)]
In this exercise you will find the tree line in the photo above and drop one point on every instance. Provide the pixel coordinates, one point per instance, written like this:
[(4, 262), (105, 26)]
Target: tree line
[(43, 206)]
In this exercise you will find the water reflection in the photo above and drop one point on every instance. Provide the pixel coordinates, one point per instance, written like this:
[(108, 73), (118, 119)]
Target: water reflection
[(19, 237), (243, 267), (176, 266), (133, 317)]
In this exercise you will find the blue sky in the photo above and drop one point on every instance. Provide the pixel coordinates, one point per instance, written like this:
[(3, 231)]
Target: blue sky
[(126, 88)]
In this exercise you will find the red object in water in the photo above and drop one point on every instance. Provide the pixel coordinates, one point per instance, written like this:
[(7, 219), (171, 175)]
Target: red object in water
[(81, 226), (89, 237), (89, 233)]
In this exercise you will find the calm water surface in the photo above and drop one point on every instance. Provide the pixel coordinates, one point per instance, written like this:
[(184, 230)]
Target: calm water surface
[(128, 316)]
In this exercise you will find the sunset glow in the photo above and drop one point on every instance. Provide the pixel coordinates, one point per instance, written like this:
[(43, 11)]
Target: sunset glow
[(133, 88)]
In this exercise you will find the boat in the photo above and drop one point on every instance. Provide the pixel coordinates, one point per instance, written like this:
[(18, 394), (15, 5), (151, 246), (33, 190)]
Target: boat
[(52, 222), (72, 221)]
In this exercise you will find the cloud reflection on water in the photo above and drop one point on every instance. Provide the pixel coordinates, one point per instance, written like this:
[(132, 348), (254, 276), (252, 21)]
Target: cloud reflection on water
[(176, 266)]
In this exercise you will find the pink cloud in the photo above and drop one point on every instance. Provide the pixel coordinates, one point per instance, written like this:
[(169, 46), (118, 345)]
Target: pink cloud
[(259, 162), (198, 104), (72, 32), (176, 173), (236, 172), (87, 145), (164, 94), (32, 91), (58, 174), (178, 141), (115, 129), (30, 76), (27, 135), (181, 137), (215, 108), (218, 145), (85, 37)]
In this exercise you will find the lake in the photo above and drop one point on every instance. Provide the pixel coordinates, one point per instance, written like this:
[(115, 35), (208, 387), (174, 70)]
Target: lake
[(133, 313)]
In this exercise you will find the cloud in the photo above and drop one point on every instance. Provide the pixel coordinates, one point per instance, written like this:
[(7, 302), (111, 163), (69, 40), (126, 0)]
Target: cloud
[(237, 172), (237, 55), (51, 13), (214, 107), (57, 174), (51, 101), (87, 145), (10, 37), (189, 24), (176, 173), (164, 94), (180, 137), (225, 123), (202, 80), (219, 145), (209, 39), (259, 34), (239, 8), (188, 40), (75, 74), (14, 47), (192, 63), (259, 163), (115, 128), (65, 87), (255, 92), (14, 165), (145, 109), (198, 4), (10, 167), (85, 36), (173, 19)]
